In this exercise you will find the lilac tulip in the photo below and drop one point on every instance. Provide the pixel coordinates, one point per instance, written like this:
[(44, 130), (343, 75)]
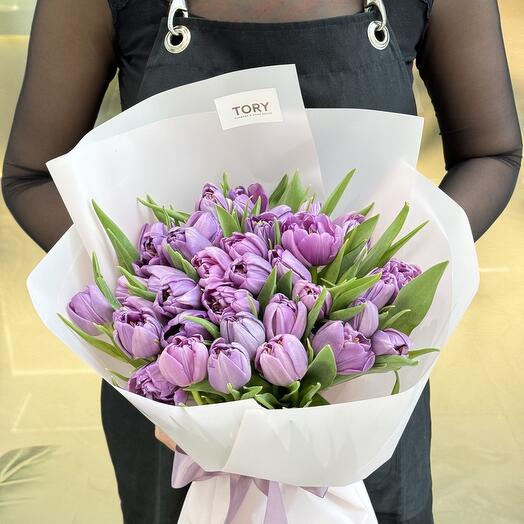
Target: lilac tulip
[(156, 274), (137, 328), (211, 197), (150, 242), (390, 341), (263, 225), (311, 207), (187, 240), (206, 223), (256, 191), (239, 244), (219, 299), (148, 382), (283, 316), (179, 325), (211, 264), (122, 287), (401, 271), (240, 203), (243, 328), (285, 261), (367, 320), (306, 292), (352, 350), (282, 360), (249, 272), (349, 221), (382, 291), (314, 239), (89, 307), (228, 363), (184, 360)]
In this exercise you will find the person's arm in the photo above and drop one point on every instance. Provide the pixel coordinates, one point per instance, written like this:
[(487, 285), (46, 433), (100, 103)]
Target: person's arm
[(462, 61), (69, 66)]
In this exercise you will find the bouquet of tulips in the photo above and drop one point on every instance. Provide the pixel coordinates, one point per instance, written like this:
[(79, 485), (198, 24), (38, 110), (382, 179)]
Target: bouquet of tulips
[(256, 296), (281, 333)]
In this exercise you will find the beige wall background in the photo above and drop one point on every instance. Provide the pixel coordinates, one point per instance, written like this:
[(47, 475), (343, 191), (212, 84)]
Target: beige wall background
[(50, 428)]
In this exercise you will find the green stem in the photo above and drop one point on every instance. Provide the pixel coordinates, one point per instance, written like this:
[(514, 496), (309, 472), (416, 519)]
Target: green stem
[(314, 274), (197, 397)]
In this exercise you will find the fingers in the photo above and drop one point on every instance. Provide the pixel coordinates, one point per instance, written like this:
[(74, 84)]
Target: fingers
[(162, 437)]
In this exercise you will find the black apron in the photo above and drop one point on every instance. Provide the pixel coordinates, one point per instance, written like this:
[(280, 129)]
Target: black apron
[(340, 63)]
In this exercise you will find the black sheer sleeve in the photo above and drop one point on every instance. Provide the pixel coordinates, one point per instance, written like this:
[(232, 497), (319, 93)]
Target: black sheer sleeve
[(69, 66), (462, 61)]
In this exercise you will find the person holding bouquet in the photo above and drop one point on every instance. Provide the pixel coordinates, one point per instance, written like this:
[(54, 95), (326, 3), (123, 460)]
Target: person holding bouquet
[(347, 54)]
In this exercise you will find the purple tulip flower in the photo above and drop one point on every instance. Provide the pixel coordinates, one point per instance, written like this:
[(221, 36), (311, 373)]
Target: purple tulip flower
[(187, 240), (238, 244), (284, 316), (211, 264), (122, 287), (390, 341), (382, 291), (184, 360), (187, 328), (282, 360), (249, 272), (349, 221), (352, 350), (310, 207), (89, 307), (284, 261), (212, 196), (148, 382), (206, 223), (306, 292), (263, 225), (228, 363), (243, 328), (367, 320), (401, 271), (219, 299), (256, 191), (150, 241), (314, 239), (137, 328)]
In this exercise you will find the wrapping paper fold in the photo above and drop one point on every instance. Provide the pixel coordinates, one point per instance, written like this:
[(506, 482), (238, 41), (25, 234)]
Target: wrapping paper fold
[(171, 144)]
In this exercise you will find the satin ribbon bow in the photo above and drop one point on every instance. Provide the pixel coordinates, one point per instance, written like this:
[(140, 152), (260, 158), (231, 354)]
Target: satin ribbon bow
[(186, 470)]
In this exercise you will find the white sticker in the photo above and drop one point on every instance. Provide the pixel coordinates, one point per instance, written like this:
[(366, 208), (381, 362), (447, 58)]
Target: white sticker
[(249, 107)]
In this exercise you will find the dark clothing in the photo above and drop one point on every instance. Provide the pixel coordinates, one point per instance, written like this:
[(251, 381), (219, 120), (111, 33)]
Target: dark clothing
[(73, 55)]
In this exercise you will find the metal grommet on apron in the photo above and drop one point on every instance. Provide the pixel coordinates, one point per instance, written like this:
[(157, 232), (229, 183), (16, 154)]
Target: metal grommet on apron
[(177, 8), (378, 33)]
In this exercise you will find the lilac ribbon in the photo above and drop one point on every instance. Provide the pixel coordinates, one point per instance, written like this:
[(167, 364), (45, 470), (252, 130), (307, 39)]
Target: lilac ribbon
[(186, 470)]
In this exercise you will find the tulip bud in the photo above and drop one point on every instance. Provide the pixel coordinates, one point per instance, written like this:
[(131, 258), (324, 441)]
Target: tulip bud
[(90, 307), (149, 243), (211, 264), (238, 244), (187, 240), (219, 299), (228, 363), (282, 360), (284, 316), (184, 360), (285, 261), (308, 293), (243, 328), (390, 341), (249, 272), (367, 320)]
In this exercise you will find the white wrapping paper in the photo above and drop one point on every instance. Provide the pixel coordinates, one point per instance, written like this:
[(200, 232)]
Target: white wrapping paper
[(157, 147)]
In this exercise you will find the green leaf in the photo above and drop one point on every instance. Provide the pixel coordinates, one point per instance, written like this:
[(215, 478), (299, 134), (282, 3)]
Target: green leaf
[(323, 369), (211, 328), (362, 232), (291, 396), (105, 347), (225, 184), (415, 353), (335, 196), (110, 226), (257, 380), (285, 284), (353, 260), (233, 392), (346, 314), (396, 386), (131, 278), (395, 361), (310, 351), (390, 321), (295, 193), (121, 254), (160, 213), (357, 287), (178, 216), (102, 284), (267, 400), (251, 392), (143, 293), (384, 242), (277, 231), (397, 245), (364, 211), (308, 394), (179, 262), (245, 214), (256, 208), (318, 400), (417, 295), (332, 270), (205, 387), (118, 375), (267, 291), (315, 311), (228, 222), (276, 195)]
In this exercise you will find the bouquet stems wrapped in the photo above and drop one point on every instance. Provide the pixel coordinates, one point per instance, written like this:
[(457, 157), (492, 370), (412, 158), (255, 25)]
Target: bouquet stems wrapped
[(287, 426)]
